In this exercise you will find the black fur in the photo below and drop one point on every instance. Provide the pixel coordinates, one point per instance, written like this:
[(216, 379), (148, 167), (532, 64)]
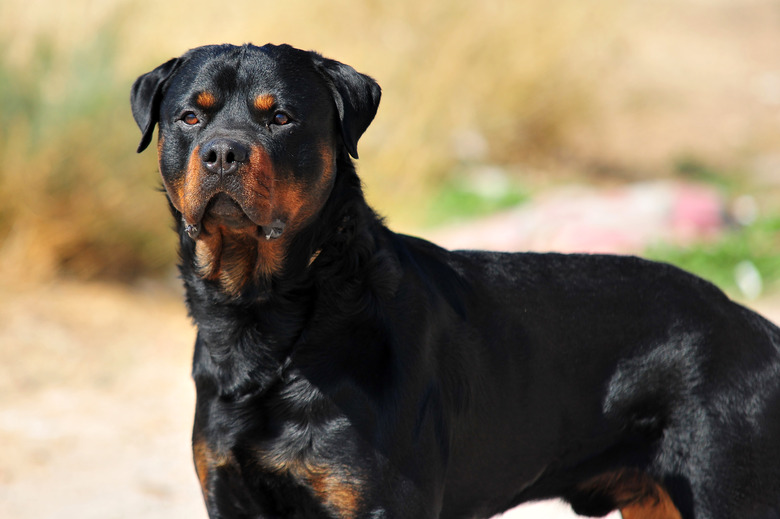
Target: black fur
[(377, 375)]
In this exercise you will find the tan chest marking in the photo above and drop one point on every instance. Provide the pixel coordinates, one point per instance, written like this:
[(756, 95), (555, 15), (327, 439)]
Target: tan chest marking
[(338, 488)]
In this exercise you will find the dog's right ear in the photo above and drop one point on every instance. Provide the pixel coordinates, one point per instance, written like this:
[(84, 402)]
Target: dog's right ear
[(146, 96)]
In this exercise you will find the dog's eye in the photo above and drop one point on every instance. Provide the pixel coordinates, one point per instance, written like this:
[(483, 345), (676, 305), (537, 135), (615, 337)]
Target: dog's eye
[(190, 118), (281, 119)]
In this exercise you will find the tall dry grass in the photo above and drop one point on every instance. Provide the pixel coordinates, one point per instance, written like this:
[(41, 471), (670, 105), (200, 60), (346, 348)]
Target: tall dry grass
[(75, 199), (465, 83)]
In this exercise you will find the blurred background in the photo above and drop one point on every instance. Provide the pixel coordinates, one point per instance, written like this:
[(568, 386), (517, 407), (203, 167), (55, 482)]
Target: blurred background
[(648, 128)]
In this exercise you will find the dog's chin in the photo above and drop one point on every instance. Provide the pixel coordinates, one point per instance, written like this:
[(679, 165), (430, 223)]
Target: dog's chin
[(223, 210)]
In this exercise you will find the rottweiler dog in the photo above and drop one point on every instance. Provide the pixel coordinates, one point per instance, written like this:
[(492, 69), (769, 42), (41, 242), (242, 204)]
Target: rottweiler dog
[(343, 370)]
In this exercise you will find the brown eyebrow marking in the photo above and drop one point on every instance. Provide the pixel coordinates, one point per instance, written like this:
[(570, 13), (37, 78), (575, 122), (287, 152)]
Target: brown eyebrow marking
[(205, 99), (264, 102)]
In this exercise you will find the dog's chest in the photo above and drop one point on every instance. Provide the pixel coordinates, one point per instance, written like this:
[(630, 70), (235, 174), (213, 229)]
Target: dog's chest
[(294, 447)]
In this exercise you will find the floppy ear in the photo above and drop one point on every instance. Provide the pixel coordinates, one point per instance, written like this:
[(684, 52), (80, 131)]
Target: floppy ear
[(356, 96), (146, 96)]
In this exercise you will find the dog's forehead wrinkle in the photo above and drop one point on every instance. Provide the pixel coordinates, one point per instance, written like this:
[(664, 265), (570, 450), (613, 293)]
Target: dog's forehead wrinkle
[(212, 71)]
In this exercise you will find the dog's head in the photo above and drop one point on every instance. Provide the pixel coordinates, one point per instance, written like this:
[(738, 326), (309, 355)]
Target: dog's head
[(248, 141)]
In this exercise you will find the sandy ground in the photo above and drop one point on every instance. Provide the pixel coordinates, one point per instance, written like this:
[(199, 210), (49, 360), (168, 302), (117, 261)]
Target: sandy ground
[(96, 403)]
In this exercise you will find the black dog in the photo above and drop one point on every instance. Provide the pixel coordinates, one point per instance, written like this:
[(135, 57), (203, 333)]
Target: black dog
[(343, 370)]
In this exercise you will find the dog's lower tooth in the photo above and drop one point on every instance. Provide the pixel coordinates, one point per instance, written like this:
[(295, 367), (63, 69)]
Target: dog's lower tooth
[(274, 230), (192, 231)]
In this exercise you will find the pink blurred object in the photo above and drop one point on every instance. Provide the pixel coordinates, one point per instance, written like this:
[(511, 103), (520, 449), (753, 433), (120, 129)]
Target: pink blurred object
[(697, 212), (622, 220)]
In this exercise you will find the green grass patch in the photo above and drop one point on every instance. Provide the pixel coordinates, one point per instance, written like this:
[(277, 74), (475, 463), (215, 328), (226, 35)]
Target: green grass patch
[(462, 199), (753, 248), (695, 169)]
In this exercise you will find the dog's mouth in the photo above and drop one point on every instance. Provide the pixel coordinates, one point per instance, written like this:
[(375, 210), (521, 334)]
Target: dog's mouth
[(225, 211), (224, 208)]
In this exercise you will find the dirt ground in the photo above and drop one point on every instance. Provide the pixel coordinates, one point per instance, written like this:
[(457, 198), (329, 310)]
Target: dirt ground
[(96, 403)]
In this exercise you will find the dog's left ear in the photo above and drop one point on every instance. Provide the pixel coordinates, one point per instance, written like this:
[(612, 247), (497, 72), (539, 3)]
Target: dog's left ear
[(146, 96), (356, 96)]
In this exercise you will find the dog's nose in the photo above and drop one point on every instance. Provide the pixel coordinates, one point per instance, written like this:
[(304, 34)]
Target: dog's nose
[(223, 156)]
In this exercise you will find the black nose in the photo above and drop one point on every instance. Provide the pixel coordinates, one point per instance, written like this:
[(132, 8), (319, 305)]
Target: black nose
[(223, 156)]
